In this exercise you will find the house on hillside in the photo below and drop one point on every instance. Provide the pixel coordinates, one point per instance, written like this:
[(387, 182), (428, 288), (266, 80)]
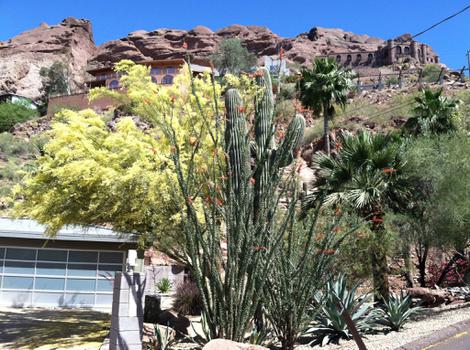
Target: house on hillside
[(162, 72)]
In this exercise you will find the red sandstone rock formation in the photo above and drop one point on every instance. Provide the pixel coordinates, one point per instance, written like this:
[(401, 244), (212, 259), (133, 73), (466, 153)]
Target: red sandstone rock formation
[(23, 56), (72, 41)]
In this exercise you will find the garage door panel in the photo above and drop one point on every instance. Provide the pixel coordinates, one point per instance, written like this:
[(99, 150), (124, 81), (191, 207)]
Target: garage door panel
[(54, 269), (21, 254), (111, 257), (52, 255), (105, 285), (83, 256), (108, 270), (87, 270), (19, 267), (18, 299), (79, 299), (49, 298), (16, 282), (80, 285), (45, 283)]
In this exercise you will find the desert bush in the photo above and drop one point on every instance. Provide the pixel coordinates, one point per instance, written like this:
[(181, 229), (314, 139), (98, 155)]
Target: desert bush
[(187, 299), (164, 285), (288, 91), (329, 326), (397, 311), (284, 110), (12, 114), (431, 73)]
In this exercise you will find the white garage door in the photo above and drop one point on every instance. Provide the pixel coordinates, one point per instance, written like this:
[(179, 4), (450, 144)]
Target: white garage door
[(58, 277)]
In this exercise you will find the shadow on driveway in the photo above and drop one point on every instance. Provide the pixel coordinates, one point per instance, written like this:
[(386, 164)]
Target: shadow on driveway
[(52, 329)]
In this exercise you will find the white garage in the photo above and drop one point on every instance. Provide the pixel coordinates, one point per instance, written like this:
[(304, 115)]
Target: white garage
[(76, 269)]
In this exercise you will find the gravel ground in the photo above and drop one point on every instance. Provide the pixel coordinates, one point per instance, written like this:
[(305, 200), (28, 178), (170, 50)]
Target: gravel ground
[(427, 323)]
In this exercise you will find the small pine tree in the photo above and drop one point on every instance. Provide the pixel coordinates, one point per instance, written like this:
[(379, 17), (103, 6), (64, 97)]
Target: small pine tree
[(232, 57), (55, 81)]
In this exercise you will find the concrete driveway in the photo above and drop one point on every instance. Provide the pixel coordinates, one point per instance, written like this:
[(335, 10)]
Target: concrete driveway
[(47, 329)]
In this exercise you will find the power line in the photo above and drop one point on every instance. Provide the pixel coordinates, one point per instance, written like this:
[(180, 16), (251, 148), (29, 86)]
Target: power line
[(442, 21)]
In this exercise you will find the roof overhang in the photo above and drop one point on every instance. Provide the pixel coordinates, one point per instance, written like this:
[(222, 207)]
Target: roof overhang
[(30, 229)]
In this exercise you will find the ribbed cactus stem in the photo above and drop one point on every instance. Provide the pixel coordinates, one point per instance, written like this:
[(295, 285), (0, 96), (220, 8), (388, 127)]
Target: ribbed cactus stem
[(291, 142), (236, 140), (264, 109)]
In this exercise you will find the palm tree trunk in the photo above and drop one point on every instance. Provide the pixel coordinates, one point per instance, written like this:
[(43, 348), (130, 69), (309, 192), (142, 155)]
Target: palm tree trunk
[(326, 128)]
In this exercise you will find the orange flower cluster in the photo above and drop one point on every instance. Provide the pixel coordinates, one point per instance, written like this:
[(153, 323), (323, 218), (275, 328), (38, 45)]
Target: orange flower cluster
[(327, 251), (260, 248), (389, 170)]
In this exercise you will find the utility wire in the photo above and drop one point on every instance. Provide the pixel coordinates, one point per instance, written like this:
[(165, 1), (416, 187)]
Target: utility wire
[(442, 21)]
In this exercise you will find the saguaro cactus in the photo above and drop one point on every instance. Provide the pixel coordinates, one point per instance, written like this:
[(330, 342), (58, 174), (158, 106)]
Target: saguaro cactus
[(269, 157)]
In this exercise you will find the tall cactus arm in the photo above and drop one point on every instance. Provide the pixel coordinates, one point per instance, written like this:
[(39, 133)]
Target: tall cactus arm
[(264, 109), (237, 144), (291, 142)]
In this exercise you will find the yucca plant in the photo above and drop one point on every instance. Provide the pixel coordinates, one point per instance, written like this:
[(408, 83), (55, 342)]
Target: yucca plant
[(328, 325), (397, 311)]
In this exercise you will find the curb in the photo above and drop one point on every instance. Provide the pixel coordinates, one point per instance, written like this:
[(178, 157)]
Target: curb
[(436, 337)]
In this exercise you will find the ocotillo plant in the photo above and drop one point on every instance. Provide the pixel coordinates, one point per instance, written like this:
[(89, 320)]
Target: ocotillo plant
[(240, 208)]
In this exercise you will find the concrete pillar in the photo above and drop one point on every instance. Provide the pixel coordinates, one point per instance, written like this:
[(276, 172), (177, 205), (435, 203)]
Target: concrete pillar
[(127, 312), (424, 53), (414, 50), (391, 51)]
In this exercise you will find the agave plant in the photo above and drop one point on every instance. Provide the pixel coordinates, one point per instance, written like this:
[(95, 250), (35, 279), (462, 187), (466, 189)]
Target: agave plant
[(328, 325), (397, 311)]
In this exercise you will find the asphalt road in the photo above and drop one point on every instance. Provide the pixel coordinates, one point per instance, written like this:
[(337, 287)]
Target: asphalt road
[(460, 341)]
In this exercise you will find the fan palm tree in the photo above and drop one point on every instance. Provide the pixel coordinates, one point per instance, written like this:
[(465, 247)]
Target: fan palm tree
[(366, 176), (434, 113), (322, 86)]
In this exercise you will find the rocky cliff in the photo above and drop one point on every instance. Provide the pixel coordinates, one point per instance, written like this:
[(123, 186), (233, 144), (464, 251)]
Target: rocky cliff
[(202, 41), (71, 41), (23, 56)]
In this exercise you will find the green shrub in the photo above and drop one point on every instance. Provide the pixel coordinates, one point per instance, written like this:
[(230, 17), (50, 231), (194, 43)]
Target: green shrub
[(188, 299), (164, 285), (329, 326), (14, 146), (397, 311), (284, 111), (12, 113), (431, 73), (288, 91)]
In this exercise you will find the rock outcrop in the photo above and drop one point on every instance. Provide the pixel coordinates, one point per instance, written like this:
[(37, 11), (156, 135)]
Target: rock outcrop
[(202, 42), (23, 56)]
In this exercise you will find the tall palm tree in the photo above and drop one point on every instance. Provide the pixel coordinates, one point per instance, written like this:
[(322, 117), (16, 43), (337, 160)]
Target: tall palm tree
[(322, 86), (366, 176), (434, 113)]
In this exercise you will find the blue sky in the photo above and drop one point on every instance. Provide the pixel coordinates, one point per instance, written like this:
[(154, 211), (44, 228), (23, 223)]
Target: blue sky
[(382, 18)]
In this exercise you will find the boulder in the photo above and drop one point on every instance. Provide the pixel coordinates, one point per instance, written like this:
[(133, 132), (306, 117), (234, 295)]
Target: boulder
[(224, 344), (428, 297)]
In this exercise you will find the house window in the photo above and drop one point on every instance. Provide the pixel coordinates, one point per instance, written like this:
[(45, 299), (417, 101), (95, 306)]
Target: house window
[(399, 50), (370, 57), (338, 58), (114, 84), (155, 71), (358, 57), (407, 50), (154, 79), (167, 80), (171, 70)]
